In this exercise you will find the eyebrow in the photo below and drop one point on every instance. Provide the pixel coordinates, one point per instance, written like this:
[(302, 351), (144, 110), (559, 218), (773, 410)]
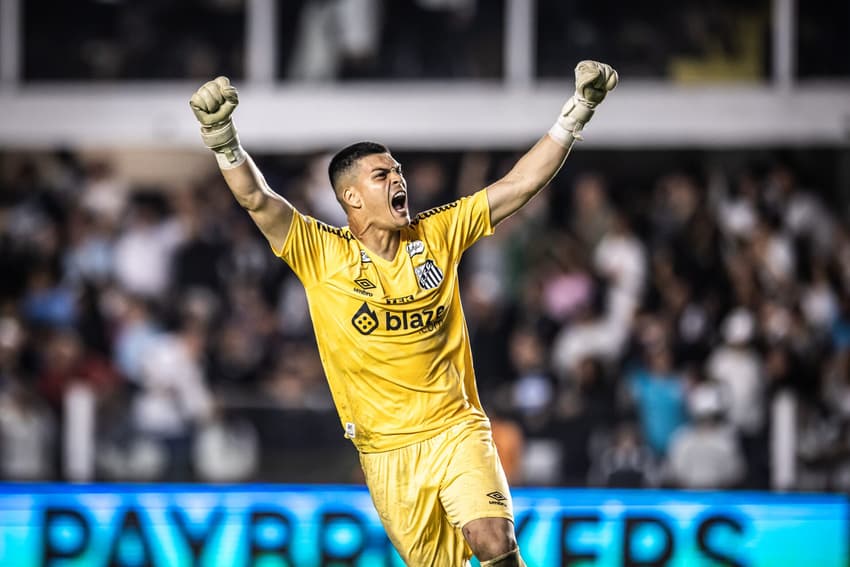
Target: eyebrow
[(381, 168)]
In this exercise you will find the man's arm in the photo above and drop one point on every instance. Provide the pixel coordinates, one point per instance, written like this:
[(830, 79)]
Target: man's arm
[(540, 164), (213, 105)]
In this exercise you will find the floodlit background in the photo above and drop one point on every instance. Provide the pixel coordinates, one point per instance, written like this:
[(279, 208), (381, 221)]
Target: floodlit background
[(674, 311)]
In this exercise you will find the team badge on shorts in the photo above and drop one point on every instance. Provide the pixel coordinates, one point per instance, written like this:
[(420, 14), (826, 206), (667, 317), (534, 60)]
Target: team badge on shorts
[(428, 275)]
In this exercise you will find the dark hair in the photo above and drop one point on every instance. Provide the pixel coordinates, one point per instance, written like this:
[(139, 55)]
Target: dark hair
[(347, 156)]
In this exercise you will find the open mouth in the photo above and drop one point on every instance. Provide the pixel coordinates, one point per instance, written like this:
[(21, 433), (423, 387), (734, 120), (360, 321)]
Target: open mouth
[(399, 201)]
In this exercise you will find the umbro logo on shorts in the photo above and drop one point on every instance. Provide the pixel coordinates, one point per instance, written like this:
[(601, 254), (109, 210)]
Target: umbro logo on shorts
[(497, 497)]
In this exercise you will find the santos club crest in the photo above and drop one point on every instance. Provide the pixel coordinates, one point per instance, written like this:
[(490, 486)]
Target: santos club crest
[(428, 275)]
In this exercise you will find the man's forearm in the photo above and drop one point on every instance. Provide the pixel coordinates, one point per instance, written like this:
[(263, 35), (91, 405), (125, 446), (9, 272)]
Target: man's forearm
[(247, 184), (538, 166), (530, 174), (213, 104)]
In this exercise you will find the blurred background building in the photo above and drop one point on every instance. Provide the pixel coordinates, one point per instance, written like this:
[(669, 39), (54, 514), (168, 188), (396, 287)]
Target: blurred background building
[(673, 311)]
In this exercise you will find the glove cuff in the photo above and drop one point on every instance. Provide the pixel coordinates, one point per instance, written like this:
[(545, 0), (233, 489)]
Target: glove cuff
[(574, 115), (224, 141)]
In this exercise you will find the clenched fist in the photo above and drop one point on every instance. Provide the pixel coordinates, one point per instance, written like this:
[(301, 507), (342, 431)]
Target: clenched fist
[(213, 104), (593, 82)]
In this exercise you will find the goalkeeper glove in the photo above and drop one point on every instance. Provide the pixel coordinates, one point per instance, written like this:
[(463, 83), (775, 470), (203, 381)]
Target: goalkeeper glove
[(213, 104), (593, 81)]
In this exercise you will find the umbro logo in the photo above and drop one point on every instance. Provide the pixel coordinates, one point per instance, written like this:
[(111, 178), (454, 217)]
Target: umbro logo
[(497, 497), (364, 283)]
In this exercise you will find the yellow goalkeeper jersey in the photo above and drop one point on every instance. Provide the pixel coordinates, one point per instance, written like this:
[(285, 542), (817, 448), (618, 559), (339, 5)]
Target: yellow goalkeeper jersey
[(391, 334)]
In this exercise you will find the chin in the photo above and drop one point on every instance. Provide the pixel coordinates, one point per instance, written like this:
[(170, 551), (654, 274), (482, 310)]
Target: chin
[(401, 220)]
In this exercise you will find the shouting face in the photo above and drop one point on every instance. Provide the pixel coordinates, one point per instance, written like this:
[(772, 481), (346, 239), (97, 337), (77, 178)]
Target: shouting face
[(378, 191)]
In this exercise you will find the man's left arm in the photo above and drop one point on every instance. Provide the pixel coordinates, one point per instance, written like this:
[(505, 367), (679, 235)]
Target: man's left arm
[(540, 164)]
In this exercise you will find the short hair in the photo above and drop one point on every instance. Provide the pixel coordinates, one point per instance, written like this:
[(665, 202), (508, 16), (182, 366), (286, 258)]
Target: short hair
[(348, 156)]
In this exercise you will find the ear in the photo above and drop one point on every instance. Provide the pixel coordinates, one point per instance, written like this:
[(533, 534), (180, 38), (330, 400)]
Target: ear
[(351, 197)]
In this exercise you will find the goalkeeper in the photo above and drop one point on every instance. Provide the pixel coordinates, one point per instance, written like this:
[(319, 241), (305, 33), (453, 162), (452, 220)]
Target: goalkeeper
[(384, 300)]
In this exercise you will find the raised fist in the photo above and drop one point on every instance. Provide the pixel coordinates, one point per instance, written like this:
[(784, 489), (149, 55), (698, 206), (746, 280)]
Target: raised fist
[(214, 102), (593, 81)]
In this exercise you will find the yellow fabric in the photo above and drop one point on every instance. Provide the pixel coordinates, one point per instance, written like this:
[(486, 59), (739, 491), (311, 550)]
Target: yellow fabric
[(426, 492), (391, 334), (510, 559)]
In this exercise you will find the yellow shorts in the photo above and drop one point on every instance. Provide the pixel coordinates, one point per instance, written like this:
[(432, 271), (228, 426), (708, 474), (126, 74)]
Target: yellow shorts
[(426, 492)]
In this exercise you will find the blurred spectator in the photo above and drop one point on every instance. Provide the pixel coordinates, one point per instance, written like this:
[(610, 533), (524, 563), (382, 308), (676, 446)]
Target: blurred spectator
[(173, 397), (67, 361), (532, 384), (226, 450), (135, 333), (510, 442), (27, 434), (620, 258), (659, 394), (626, 462), (705, 454), (592, 216), (593, 333), (583, 410), (737, 366), (105, 194), (144, 249), (48, 301), (773, 256), (336, 38), (89, 254), (296, 379)]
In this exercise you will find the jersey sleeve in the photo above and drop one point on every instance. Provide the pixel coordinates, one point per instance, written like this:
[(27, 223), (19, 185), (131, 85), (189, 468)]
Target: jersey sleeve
[(310, 248), (460, 223)]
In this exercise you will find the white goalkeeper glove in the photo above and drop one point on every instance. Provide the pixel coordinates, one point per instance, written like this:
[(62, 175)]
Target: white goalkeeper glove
[(593, 81), (213, 104)]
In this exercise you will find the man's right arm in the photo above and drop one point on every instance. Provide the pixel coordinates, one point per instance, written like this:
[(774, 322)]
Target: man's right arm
[(213, 105), (271, 213)]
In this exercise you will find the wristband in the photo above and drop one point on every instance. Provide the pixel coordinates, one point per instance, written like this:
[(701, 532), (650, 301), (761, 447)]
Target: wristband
[(230, 156), (562, 136), (224, 141)]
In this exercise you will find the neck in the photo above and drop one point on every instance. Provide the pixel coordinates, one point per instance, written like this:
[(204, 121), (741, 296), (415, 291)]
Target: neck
[(380, 241)]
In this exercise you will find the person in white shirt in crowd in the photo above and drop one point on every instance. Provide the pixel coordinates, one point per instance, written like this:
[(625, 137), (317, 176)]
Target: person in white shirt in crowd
[(27, 434), (706, 453), (173, 399), (736, 365), (142, 253)]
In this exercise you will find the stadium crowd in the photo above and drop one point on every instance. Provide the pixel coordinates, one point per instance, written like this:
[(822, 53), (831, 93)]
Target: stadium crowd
[(622, 337)]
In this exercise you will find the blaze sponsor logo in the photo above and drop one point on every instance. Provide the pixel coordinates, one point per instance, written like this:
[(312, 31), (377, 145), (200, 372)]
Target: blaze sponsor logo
[(365, 320), (424, 321), (429, 275)]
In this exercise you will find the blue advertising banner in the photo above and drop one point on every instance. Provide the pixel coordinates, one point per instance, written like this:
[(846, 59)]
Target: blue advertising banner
[(304, 526)]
